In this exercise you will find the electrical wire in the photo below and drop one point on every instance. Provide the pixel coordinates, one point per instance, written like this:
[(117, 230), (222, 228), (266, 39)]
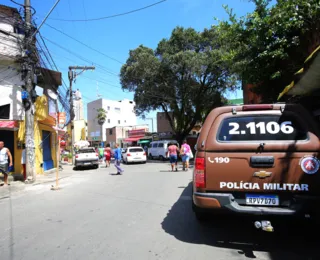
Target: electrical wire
[(69, 51), (76, 55), (84, 44), (62, 99), (110, 16), (34, 10)]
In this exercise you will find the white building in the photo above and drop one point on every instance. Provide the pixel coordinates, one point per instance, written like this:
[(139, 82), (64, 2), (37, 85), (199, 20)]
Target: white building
[(11, 37), (119, 113)]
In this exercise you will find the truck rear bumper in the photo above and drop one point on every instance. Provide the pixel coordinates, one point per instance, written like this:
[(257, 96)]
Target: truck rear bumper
[(225, 202)]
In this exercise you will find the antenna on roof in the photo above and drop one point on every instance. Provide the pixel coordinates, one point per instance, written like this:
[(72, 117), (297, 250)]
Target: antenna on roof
[(98, 95)]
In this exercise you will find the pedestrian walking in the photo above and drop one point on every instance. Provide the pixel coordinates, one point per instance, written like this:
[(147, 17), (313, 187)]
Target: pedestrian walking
[(4, 165), (173, 155), (117, 159), (107, 153), (23, 162), (185, 154), (101, 154)]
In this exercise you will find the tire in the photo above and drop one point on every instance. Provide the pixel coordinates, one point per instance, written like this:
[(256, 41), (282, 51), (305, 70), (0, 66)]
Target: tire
[(96, 167), (200, 215), (144, 162), (161, 158)]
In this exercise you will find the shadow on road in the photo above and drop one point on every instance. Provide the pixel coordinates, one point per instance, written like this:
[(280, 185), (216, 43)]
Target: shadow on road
[(287, 242)]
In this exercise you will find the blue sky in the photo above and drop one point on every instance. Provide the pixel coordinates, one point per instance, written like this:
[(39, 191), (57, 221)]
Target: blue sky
[(116, 36)]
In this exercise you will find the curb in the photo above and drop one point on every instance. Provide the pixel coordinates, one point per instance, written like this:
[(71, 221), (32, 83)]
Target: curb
[(48, 181)]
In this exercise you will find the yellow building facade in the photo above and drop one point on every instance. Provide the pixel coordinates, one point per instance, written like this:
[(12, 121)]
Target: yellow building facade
[(79, 130), (45, 139)]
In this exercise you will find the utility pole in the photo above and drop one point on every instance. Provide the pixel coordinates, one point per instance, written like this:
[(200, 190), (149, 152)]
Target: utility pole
[(151, 122), (72, 76), (28, 94)]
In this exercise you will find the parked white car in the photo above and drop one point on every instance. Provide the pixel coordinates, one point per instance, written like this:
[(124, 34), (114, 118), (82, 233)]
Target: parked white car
[(87, 157), (159, 149), (134, 154)]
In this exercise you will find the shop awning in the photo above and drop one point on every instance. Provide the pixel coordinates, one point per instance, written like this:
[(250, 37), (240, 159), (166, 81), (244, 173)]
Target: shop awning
[(144, 141), (9, 125), (133, 139), (307, 79)]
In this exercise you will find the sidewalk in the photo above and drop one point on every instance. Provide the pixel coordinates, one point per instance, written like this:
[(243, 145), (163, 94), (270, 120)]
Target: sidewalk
[(48, 177)]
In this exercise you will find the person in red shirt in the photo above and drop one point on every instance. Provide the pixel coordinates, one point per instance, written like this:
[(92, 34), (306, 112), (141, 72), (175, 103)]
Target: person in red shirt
[(107, 153), (173, 155)]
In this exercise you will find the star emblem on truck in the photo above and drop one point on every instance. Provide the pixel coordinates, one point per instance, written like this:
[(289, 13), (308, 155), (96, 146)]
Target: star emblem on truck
[(262, 174)]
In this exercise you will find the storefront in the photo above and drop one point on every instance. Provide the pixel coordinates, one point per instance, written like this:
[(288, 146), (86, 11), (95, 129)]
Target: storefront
[(46, 141), (134, 136)]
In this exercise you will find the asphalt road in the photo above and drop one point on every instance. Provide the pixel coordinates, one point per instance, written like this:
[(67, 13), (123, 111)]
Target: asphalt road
[(143, 214)]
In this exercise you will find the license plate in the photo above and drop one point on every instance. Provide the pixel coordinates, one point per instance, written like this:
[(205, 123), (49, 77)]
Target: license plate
[(265, 200), (87, 163), (137, 158)]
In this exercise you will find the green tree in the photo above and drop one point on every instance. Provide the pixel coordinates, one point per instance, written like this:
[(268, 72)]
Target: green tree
[(185, 76), (270, 44), (101, 116)]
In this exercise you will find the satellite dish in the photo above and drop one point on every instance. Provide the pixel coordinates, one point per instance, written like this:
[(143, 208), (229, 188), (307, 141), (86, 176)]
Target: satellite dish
[(52, 95)]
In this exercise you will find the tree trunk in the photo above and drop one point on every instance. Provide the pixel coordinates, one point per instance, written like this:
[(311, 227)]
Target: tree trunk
[(180, 137)]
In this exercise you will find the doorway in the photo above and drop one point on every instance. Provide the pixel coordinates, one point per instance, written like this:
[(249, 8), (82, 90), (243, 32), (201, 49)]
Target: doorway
[(46, 148), (8, 138)]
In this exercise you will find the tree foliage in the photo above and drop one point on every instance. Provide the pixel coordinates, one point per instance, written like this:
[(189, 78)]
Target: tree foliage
[(270, 44), (101, 116), (186, 75)]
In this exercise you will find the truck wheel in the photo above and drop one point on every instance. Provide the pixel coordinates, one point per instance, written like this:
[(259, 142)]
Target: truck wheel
[(161, 158), (150, 156), (201, 216)]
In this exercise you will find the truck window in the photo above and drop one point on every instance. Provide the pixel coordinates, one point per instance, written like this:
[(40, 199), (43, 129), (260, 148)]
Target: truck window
[(262, 128)]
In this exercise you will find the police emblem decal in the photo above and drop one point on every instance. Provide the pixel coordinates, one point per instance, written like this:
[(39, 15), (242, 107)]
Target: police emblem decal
[(310, 165)]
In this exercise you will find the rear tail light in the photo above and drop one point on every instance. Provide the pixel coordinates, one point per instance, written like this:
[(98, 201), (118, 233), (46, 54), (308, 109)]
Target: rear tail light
[(97, 154), (257, 107), (128, 154), (144, 154), (77, 156), (199, 172)]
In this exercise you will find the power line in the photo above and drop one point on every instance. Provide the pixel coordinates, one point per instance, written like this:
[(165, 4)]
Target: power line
[(54, 6), (110, 16), (34, 10), (78, 56), (86, 45)]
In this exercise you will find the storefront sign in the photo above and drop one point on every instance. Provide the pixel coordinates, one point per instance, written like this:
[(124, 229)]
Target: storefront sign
[(61, 119), (136, 133)]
